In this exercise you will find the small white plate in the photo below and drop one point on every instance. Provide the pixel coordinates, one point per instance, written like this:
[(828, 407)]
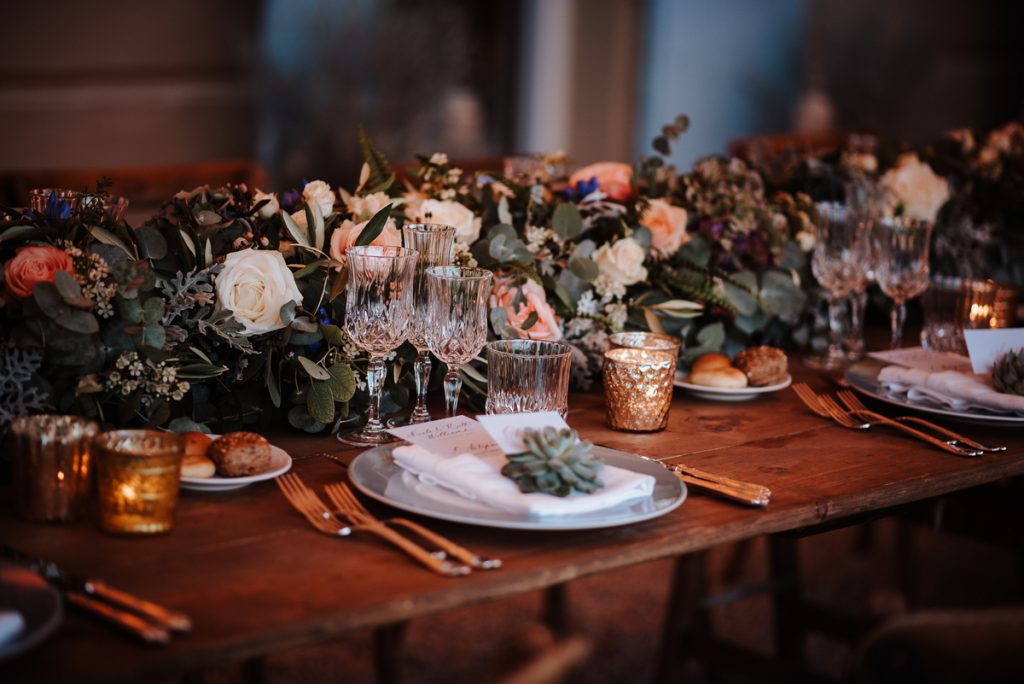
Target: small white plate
[(280, 463), (729, 393)]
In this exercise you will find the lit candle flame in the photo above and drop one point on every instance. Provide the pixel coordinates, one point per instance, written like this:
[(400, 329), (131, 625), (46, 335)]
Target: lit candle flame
[(127, 491)]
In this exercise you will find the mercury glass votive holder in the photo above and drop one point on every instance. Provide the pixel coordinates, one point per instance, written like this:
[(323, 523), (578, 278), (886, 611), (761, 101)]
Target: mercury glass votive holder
[(56, 203), (52, 466), (646, 340), (137, 473), (638, 388)]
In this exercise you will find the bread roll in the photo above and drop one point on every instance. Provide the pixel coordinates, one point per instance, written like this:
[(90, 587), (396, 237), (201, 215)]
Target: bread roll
[(196, 443), (238, 454), (763, 365), (197, 465), (709, 361), (728, 377)]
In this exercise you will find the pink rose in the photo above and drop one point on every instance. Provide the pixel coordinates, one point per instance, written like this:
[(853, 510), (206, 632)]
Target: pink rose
[(667, 224), (614, 179), (345, 236), (33, 265), (532, 300)]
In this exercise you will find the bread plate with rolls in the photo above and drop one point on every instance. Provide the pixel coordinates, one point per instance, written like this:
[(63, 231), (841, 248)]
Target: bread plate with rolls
[(214, 463), (754, 371)]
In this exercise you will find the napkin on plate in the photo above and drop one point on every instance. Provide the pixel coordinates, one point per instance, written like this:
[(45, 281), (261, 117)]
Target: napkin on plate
[(479, 478), (11, 625), (958, 391)]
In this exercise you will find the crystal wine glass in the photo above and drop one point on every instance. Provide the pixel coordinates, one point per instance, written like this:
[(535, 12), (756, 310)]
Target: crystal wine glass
[(458, 321), (838, 263), (378, 311), (434, 242), (862, 204), (902, 269)]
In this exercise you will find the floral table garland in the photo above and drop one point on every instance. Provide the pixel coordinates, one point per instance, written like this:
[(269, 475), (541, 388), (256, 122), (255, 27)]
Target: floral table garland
[(227, 304)]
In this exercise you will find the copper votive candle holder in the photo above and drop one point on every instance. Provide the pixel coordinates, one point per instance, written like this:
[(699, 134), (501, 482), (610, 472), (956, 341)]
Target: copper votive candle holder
[(638, 388), (52, 466), (137, 473), (646, 340)]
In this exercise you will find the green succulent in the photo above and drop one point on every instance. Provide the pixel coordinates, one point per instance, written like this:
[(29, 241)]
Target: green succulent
[(1008, 373), (556, 462)]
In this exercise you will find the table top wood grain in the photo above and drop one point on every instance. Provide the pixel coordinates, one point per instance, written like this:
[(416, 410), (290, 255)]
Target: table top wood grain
[(256, 579)]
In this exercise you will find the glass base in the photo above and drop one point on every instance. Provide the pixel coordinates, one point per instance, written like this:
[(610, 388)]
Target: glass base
[(362, 438), (827, 362), (402, 421)]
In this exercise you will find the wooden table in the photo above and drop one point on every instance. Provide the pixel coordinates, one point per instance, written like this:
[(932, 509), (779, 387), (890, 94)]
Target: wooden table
[(256, 579)]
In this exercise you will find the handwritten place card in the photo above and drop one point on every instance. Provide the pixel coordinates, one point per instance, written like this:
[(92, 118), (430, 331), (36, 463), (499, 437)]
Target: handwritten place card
[(985, 346), (450, 437), (507, 429), (924, 359)]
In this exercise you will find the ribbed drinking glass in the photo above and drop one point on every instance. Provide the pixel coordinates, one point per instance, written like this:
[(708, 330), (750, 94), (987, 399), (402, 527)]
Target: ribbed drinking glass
[(378, 312), (524, 376), (457, 326)]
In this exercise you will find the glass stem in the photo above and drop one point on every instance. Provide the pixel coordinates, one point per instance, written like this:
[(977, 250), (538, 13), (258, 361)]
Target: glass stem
[(421, 372), (899, 315), (855, 340), (452, 385), (375, 386), (834, 326)]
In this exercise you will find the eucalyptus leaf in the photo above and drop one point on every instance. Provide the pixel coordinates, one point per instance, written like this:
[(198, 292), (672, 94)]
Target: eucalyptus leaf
[(154, 336), (152, 243), (643, 237), (743, 298), (48, 299), (780, 294), (342, 382), (130, 309), (333, 334), (153, 310), (567, 221), (287, 312), (184, 424), (314, 371), (17, 231), (584, 268), (273, 386), (305, 324), (67, 286), (711, 336), (320, 401), (696, 250), (80, 322), (299, 418), (504, 215)]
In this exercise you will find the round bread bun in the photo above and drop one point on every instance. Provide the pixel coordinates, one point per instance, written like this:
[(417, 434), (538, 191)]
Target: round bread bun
[(763, 365), (196, 443), (709, 361), (729, 377), (197, 465), (238, 454)]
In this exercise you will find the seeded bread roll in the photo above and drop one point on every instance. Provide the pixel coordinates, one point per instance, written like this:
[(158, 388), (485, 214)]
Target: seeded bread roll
[(763, 365), (727, 377), (709, 361), (238, 454)]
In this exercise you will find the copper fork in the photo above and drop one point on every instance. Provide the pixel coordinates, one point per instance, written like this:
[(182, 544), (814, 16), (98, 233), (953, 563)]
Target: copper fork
[(345, 499), (854, 403), (825, 406)]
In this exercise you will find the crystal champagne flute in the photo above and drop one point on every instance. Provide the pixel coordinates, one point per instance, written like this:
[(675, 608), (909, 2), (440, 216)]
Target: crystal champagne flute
[(838, 263), (902, 268), (378, 310), (458, 321), (434, 242)]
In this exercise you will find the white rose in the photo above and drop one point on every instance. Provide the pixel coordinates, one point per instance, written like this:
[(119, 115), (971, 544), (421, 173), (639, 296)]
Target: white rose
[(365, 206), (449, 213), (271, 207), (912, 185), (620, 264), (320, 192), (253, 286)]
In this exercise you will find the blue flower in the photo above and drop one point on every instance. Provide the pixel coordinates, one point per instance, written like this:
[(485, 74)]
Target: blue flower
[(57, 208), (289, 199), (582, 189)]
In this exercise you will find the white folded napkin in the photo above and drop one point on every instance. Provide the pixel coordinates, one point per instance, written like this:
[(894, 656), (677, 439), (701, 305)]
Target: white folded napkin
[(11, 625), (958, 391), (479, 478)]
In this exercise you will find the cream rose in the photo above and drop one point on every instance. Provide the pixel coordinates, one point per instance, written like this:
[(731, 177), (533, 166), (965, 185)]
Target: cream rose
[(620, 265), (912, 186), (614, 179), (534, 300), (345, 236), (320, 192), (271, 207), (667, 224), (253, 286), (363, 207), (449, 213)]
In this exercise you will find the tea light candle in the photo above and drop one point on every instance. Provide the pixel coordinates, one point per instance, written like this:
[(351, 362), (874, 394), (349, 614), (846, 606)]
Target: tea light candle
[(52, 466), (138, 473), (638, 388)]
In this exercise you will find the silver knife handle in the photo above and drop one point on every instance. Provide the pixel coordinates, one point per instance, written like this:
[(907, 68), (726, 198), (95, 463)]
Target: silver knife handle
[(129, 621), (167, 618)]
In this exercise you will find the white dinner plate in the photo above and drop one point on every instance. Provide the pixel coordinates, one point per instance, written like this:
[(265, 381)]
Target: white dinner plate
[(38, 603), (863, 377), (280, 463), (375, 474), (729, 393)]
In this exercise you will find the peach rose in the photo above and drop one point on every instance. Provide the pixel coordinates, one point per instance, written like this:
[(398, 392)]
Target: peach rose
[(614, 179), (533, 300), (667, 224), (33, 265), (345, 236)]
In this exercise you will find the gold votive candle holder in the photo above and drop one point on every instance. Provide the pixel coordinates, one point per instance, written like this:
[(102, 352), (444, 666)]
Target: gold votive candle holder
[(52, 466), (638, 388), (646, 340), (137, 473)]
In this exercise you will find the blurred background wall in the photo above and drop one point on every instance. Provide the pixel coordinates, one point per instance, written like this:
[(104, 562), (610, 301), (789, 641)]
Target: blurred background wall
[(283, 84)]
